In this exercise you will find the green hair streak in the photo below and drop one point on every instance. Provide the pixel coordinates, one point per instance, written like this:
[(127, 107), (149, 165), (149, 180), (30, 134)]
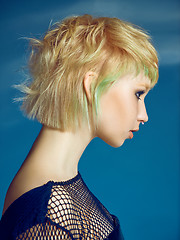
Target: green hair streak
[(102, 87)]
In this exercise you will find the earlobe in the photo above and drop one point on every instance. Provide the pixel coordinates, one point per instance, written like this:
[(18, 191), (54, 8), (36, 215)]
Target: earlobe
[(87, 82)]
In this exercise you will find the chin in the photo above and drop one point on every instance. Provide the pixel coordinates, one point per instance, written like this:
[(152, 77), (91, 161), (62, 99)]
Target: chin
[(115, 144)]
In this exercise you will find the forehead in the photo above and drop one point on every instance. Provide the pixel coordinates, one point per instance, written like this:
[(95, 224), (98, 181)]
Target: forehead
[(132, 81), (140, 80), (143, 80)]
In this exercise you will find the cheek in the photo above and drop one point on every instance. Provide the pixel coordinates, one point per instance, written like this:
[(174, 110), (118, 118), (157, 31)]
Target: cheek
[(118, 112), (116, 117), (112, 119), (130, 107), (112, 108)]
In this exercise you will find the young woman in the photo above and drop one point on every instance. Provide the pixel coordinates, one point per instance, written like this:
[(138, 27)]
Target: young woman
[(89, 79)]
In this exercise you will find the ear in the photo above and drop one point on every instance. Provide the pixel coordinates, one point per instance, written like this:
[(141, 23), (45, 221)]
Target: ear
[(87, 81)]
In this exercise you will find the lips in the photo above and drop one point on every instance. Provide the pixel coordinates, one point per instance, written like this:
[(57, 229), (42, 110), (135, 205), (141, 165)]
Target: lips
[(135, 130), (131, 133)]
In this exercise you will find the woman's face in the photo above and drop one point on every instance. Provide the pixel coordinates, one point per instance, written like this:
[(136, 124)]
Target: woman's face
[(122, 109)]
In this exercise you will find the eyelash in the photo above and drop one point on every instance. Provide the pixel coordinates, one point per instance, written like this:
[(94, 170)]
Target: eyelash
[(138, 94)]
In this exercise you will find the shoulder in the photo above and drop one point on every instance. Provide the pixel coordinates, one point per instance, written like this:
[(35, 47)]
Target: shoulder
[(28, 177), (26, 212), (20, 186)]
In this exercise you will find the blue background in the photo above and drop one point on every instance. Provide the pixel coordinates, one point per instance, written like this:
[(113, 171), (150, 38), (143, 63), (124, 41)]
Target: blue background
[(139, 182)]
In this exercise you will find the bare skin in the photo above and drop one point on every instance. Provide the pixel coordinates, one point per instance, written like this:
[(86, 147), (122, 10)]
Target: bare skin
[(55, 154)]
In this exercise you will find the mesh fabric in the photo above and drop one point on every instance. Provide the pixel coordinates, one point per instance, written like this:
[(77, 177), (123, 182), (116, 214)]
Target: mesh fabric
[(73, 212)]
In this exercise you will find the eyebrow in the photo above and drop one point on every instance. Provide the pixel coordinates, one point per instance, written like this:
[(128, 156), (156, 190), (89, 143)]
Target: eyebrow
[(146, 85)]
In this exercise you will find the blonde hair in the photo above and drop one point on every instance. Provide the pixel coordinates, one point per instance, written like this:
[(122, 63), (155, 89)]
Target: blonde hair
[(58, 63)]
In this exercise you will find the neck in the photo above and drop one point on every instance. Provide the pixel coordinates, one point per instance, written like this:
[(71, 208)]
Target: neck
[(56, 154)]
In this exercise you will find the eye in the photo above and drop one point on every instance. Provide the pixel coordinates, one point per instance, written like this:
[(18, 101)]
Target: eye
[(138, 94)]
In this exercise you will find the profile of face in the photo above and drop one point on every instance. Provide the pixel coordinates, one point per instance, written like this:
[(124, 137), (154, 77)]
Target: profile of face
[(122, 109)]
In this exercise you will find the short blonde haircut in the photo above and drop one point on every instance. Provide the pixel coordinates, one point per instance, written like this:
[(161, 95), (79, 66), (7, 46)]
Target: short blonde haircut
[(58, 63)]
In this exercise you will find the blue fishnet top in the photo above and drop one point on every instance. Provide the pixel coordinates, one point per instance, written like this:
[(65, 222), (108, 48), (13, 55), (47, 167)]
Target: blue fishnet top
[(59, 210)]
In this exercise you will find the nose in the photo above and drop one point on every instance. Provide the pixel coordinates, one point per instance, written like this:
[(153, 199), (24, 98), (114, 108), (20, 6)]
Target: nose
[(142, 113)]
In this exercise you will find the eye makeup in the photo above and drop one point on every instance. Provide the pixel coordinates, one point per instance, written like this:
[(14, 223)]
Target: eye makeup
[(138, 94)]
